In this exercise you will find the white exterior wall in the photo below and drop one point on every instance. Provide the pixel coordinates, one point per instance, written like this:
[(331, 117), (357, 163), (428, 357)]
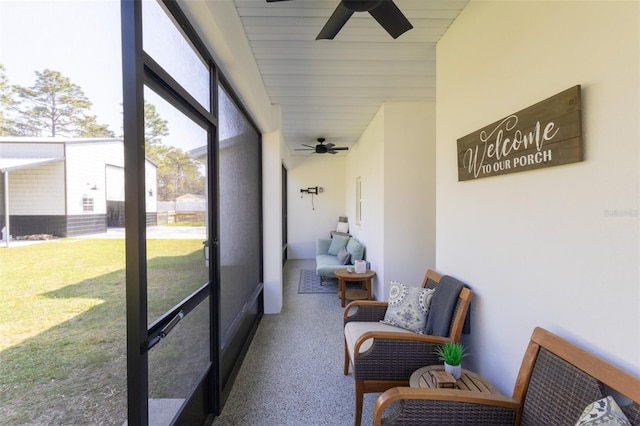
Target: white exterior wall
[(394, 158), (86, 168), (307, 220), (114, 184), (40, 189), (366, 161), (37, 190), (30, 148), (409, 194), (544, 247), (272, 208)]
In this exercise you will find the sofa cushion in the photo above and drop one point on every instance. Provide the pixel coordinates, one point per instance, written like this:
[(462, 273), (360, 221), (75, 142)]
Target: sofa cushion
[(337, 242), (322, 246), (354, 329), (326, 265), (604, 411), (343, 256), (408, 306), (356, 250), (327, 259)]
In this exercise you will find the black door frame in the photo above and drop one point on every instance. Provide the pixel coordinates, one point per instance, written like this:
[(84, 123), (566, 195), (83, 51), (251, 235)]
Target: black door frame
[(140, 70)]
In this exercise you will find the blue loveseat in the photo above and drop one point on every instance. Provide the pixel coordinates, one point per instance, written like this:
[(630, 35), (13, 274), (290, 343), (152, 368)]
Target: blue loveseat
[(330, 254)]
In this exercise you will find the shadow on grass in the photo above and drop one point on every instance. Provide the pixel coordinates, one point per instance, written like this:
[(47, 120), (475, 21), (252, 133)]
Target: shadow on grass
[(75, 372)]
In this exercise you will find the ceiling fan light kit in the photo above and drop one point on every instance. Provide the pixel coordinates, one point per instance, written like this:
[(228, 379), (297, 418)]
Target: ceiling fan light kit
[(388, 15)]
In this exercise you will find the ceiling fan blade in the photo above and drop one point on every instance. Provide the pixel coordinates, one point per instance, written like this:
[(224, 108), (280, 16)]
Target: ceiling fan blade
[(332, 152), (305, 149), (308, 146), (340, 148), (335, 23), (391, 18), (330, 145), (271, 1)]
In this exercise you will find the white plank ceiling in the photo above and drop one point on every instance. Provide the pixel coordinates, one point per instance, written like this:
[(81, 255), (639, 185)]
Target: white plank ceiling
[(333, 88)]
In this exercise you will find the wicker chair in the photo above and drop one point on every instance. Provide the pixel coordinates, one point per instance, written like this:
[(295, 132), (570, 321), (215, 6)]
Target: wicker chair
[(557, 380), (385, 359)]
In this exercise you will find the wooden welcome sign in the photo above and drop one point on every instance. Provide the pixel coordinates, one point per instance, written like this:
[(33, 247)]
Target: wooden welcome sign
[(546, 134)]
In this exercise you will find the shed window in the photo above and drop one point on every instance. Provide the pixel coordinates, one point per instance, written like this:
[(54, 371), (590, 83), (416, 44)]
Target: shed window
[(87, 204)]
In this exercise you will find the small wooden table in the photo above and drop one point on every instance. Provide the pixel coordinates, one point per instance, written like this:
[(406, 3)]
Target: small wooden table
[(345, 276), (470, 381)]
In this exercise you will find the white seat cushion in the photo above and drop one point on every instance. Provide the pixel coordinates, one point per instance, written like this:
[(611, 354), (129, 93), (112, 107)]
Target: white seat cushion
[(353, 330)]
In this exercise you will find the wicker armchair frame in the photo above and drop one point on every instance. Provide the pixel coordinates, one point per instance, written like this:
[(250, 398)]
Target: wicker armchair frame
[(557, 380), (393, 357)]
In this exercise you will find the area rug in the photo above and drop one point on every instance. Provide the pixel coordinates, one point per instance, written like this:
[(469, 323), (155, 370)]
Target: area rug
[(310, 283)]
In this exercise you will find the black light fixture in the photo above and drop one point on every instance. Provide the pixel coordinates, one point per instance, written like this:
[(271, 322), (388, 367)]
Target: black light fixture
[(310, 190), (313, 190)]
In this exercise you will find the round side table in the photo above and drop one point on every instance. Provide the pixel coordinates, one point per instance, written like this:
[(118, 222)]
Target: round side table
[(470, 381), (344, 276)]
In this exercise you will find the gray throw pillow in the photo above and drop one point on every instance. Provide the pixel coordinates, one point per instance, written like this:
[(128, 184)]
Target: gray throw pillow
[(343, 256)]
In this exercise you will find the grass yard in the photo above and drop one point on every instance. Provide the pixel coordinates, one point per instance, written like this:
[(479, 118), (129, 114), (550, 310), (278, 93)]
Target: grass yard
[(63, 325)]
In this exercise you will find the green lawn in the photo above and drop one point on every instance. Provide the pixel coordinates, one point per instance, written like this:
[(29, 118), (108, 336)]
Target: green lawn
[(62, 325)]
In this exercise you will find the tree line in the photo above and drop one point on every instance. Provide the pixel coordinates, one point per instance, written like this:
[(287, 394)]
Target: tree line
[(54, 106)]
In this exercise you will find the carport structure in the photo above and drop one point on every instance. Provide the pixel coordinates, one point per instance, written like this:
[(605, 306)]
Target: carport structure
[(12, 164), (64, 186)]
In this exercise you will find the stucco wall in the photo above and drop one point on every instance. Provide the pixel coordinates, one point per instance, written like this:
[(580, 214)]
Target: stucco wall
[(313, 217), (395, 159), (557, 247), (409, 194)]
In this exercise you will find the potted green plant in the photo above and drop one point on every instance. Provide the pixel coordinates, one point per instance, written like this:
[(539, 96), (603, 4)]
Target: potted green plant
[(452, 353)]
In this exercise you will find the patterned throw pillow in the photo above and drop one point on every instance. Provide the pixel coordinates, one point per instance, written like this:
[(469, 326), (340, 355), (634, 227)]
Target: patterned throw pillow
[(408, 306), (343, 256), (603, 412)]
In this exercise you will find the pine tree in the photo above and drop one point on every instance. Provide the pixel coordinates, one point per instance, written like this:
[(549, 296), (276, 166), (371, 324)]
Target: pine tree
[(7, 103), (178, 174), (54, 106), (154, 126), (88, 127)]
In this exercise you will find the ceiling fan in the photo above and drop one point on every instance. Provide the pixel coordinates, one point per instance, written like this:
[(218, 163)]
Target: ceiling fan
[(321, 148), (384, 11)]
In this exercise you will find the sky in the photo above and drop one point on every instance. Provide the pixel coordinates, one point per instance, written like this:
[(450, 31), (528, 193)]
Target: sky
[(79, 38)]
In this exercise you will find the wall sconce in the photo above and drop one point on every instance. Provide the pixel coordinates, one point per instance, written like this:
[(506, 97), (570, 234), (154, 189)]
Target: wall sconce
[(310, 190), (313, 190)]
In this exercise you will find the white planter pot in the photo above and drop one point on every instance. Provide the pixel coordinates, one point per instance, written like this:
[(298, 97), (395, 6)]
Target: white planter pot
[(454, 370)]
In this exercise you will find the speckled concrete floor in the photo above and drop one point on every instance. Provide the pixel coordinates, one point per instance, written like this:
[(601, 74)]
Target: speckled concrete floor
[(292, 374)]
